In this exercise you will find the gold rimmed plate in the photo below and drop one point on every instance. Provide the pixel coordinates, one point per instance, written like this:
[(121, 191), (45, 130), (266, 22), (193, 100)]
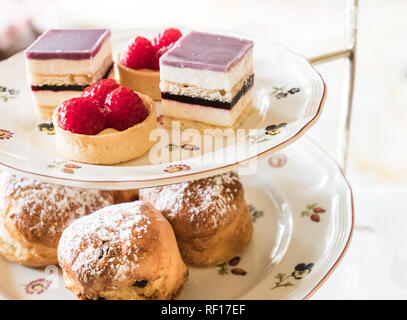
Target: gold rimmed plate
[(302, 212), (288, 99)]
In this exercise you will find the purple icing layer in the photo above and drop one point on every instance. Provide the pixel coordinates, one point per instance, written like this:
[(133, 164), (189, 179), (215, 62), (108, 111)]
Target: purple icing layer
[(205, 51), (70, 44)]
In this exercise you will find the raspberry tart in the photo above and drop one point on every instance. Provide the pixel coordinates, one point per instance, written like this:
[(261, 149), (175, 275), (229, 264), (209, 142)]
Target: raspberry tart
[(108, 124), (138, 65)]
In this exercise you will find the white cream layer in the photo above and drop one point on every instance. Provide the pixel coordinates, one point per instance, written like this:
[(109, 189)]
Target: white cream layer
[(53, 98), (70, 79), (211, 80), (214, 116), (65, 66)]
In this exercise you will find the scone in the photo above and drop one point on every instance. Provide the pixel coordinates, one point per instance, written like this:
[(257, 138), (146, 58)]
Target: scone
[(210, 217), (138, 65), (33, 215), (122, 252)]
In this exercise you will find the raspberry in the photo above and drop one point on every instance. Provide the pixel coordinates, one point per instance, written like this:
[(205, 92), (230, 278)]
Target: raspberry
[(138, 53), (81, 115), (155, 63), (169, 36), (100, 89), (124, 109)]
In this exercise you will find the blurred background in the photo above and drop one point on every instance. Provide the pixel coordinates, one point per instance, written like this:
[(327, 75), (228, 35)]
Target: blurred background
[(377, 168)]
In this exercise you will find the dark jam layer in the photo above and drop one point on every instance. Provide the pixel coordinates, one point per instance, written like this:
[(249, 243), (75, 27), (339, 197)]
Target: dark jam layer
[(68, 87), (212, 103)]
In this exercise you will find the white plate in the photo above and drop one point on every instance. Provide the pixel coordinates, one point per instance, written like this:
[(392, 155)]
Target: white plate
[(26, 149), (285, 236)]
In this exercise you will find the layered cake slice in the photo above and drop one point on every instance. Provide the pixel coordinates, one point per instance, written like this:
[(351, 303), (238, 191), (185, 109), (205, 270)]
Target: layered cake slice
[(62, 62), (207, 81)]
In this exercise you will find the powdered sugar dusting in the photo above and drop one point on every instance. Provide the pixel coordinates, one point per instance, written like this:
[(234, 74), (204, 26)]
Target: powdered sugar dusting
[(102, 244), (44, 210), (212, 197)]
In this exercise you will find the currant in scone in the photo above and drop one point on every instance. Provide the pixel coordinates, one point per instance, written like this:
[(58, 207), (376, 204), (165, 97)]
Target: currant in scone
[(109, 124), (138, 64)]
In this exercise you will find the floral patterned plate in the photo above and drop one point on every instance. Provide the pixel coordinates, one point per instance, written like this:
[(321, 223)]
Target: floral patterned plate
[(288, 98), (302, 211)]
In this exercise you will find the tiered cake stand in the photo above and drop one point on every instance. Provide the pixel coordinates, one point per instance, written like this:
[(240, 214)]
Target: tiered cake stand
[(300, 201)]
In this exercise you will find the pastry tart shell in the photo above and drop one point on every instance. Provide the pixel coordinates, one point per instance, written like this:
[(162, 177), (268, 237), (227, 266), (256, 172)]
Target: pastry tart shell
[(146, 81), (109, 146)]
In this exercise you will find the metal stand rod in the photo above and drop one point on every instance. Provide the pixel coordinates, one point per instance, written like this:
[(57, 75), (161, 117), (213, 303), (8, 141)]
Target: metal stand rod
[(330, 56), (349, 79)]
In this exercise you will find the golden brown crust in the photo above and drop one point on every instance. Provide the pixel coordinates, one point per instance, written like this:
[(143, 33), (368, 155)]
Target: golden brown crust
[(197, 208), (204, 214), (222, 246), (31, 255), (125, 251), (121, 196), (34, 215)]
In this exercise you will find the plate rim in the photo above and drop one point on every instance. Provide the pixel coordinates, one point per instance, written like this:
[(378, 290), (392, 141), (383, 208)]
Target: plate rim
[(350, 236), (114, 184)]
